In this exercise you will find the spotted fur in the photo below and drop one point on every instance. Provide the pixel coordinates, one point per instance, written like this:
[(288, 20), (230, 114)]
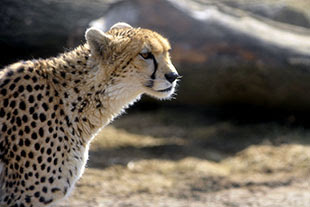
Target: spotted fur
[(51, 109)]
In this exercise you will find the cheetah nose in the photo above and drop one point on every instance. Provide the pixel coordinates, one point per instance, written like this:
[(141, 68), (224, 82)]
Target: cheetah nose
[(171, 77)]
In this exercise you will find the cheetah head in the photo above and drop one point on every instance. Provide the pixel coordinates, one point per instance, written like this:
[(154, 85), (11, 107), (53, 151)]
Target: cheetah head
[(136, 59)]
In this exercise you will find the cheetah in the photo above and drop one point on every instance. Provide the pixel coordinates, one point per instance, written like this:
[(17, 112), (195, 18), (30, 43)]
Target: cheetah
[(51, 109)]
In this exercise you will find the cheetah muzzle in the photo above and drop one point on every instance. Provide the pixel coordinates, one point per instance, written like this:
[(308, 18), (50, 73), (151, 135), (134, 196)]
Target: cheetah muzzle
[(51, 109)]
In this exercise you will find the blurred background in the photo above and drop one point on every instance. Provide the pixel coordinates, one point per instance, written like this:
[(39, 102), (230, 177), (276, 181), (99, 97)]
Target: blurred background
[(237, 133)]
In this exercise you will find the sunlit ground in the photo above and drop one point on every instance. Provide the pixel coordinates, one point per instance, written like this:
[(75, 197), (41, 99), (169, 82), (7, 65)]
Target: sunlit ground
[(185, 158)]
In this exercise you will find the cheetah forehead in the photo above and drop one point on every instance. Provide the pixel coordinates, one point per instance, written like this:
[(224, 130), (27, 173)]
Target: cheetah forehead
[(142, 39), (156, 42)]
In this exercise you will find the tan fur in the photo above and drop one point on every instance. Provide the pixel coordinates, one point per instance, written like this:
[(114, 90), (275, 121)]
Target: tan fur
[(51, 109)]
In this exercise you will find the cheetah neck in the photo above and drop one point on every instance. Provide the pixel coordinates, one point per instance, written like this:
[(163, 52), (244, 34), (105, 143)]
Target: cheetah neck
[(90, 99)]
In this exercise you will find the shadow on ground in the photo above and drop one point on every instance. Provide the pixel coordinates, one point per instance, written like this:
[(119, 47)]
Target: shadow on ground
[(180, 157)]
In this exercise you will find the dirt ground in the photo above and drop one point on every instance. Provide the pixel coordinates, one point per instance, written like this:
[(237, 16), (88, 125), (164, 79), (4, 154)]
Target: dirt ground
[(183, 158)]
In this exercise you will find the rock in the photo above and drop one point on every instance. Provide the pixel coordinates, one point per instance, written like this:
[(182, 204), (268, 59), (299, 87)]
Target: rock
[(229, 52), (43, 28), (227, 55)]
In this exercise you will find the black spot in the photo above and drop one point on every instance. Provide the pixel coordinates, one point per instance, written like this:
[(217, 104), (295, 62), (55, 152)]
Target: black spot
[(42, 199), (5, 102), (25, 118), (15, 94), (2, 113), (13, 104), (10, 73), (63, 74), (56, 93), (21, 88), (55, 161), (15, 112), (51, 180), (31, 99), (33, 124), (37, 146), (27, 129), (37, 194), (12, 86), (29, 88), (55, 107), (21, 70), (39, 97), (34, 135), (43, 166), (21, 142), (6, 81), (21, 133), (31, 110), (48, 201), (49, 151), (53, 190), (35, 116), (45, 106), (16, 166), (55, 81), (30, 155), (3, 91), (43, 179), (23, 154), (28, 199), (42, 117), (22, 105), (4, 127), (17, 158), (76, 90), (27, 142), (17, 79), (18, 121), (34, 79), (41, 132), (37, 87)]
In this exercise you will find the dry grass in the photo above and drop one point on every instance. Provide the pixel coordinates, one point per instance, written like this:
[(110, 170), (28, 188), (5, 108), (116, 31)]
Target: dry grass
[(181, 158)]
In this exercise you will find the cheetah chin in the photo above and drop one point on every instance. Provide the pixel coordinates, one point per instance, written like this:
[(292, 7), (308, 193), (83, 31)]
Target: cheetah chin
[(51, 109)]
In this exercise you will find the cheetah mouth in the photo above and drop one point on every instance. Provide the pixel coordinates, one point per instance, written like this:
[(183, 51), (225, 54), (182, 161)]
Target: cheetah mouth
[(165, 90)]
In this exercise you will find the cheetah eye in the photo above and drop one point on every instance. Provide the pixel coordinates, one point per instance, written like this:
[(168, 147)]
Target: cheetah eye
[(146, 55)]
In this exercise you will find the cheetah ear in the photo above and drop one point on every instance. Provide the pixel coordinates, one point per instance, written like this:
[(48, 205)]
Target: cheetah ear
[(97, 40), (121, 25)]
